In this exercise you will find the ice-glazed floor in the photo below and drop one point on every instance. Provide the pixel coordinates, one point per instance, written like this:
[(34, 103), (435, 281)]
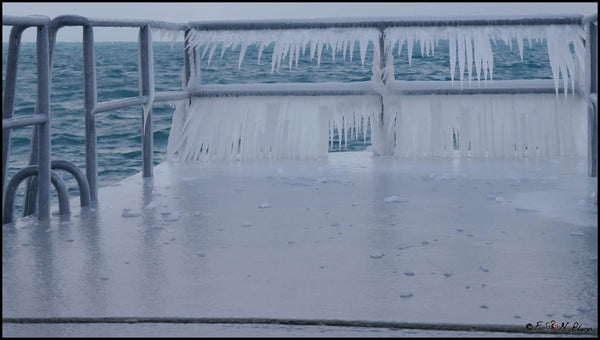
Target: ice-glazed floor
[(350, 237)]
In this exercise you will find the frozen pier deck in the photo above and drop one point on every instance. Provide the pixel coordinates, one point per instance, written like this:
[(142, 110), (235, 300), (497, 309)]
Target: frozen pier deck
[(350, 237)]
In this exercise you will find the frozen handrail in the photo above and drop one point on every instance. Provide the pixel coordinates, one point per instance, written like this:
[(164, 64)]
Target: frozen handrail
[(28, 21), (382, 22), (147, 95), (42, 108)]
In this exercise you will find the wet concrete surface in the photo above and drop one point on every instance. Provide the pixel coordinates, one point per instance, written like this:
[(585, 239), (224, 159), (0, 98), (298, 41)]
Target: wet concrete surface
[(351, 237)]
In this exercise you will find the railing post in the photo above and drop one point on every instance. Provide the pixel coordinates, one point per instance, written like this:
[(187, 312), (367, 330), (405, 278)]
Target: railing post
[(8, 101), (382, 143), (591, 85), (146, 68), (186, 59), (90, 98), (43, 107)]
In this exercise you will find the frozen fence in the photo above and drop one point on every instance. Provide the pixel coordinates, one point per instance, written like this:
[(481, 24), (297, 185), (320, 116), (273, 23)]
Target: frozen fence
[(403, 118), (514, 119)]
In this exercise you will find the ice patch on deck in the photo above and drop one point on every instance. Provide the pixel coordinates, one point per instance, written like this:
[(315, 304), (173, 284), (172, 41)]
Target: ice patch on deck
[(395, 199)]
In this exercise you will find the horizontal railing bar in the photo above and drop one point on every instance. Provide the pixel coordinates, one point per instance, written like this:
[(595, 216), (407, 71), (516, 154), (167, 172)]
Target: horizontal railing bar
[(300, 24), (137, 23), (383, 22), (140, 100), (119, 104), (170, 96), (77, 20), (17, 122), (533, 86), (283, 89), (32, 20), (537, 86), (474, 91)]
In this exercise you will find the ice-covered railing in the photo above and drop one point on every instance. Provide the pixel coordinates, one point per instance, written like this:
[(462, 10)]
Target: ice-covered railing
[(392, 112), (403, 118), (471, 47)]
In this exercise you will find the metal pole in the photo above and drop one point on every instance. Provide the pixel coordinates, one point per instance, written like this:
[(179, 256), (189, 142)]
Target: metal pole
[(592, 87), (8, 102), (186, 58), (32, 171), (146, 67), (382, 23), (43, 107), (29, 202), (381, 124), (90, 98), (382, 145)]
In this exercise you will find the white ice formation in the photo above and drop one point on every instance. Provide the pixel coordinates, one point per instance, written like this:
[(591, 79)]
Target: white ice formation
[(293, 126), (268, 127), (287, 43), (472, 46)]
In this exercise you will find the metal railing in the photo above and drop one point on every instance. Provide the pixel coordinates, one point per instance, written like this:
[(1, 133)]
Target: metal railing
[(47, 30), (40, 119)]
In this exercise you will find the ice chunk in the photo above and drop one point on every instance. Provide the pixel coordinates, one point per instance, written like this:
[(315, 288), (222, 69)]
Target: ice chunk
[(152, 205), (577, 233), (264, 205), (395, 199), (174, 216), (131, 214), (376, 254)]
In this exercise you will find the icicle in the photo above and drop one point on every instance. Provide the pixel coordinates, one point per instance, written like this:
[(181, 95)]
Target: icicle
[(520, 43), (242, 54), (319, 50), (363, 50), (469, 49), (400, 44), (261, 48), (409, 44), (297, 54), (461, 57), (553, 55), (477, 41), (334, 47), (452, 53), (292, 54), (212, 51)]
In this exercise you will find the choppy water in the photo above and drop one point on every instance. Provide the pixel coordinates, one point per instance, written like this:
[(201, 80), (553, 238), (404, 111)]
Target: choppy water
[(119, 132)]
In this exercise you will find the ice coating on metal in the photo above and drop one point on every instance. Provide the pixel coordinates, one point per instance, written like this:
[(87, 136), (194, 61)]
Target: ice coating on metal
[(268, 127), (287, 43), (290, 125)]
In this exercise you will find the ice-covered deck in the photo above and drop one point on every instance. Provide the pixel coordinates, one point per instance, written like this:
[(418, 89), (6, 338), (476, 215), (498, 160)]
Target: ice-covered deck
[(350, 237)]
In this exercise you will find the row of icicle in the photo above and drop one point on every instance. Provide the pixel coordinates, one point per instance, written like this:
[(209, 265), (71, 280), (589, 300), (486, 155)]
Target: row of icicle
[(470, 48)]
